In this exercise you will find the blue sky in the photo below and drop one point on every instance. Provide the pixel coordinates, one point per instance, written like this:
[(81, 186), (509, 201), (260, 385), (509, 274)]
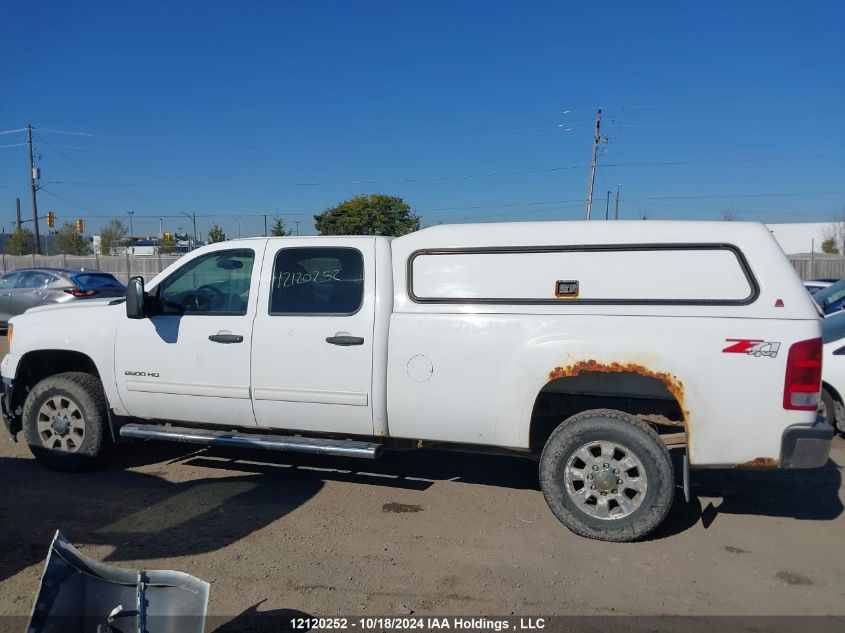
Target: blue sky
[(237, 109)]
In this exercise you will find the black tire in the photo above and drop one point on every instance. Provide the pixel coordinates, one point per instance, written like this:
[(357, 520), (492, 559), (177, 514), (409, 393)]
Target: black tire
[(828, 410), (85, 392), (611, 427), (833, 411)]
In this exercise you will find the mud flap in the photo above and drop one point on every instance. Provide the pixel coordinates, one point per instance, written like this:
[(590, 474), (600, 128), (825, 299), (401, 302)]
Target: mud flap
[(80, 594)]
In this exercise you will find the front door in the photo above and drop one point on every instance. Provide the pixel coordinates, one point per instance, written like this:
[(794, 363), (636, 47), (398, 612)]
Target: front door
[(190, 361), (312, 350)]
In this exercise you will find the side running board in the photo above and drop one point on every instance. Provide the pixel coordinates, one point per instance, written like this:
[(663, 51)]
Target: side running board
[(289, 443)]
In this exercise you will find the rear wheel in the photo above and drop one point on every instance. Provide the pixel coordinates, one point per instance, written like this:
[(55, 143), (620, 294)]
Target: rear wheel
[(832, 411), (64, 421), (606, 475)]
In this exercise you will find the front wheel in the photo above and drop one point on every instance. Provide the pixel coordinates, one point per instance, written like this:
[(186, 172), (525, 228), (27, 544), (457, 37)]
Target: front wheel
[(608, 476), (65, 421)]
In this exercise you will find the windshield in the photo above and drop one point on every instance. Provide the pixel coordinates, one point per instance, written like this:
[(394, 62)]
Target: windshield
[(826, 296), (95, 281)]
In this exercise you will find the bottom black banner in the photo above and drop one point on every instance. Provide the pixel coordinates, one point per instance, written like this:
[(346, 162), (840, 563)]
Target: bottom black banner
[(283, 620)]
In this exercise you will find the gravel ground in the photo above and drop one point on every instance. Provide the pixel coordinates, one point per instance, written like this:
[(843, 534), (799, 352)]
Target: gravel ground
[(422, 532)]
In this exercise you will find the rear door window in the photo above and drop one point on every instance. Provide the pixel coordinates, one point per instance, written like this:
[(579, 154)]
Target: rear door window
[(317, 281)]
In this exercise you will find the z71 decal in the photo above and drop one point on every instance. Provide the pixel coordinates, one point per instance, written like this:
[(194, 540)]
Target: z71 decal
[(752, 347)]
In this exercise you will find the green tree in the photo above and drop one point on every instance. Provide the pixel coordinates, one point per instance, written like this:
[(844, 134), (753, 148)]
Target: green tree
[(113, 238), (278, 228), (374, 214), (215, 234), (829, 246), (68, 242), (21, 242)]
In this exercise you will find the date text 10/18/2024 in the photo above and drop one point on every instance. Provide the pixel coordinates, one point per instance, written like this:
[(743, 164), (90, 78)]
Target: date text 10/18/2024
[(413, 623)]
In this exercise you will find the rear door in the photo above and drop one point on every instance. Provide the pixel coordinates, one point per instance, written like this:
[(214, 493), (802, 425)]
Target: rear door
[(312, 348)]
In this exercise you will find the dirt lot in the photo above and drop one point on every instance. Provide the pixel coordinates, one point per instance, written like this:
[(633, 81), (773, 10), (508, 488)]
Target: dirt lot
[(423, 532)]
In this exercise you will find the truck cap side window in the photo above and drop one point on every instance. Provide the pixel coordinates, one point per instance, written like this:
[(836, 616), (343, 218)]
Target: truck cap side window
[(214, 284), (317, 281)]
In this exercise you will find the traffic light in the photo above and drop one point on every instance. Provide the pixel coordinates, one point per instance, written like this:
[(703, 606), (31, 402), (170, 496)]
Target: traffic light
[(51, 219), (167, 237), (80, 226)]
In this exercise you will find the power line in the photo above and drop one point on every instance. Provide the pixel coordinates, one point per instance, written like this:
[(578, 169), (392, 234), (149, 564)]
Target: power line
[(740, 195), (509, 204), (492, 174), (128, 192), (54, 131)]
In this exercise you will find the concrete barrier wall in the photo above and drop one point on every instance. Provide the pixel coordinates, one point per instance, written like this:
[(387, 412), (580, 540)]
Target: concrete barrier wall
[(121, 266), (820, 266)]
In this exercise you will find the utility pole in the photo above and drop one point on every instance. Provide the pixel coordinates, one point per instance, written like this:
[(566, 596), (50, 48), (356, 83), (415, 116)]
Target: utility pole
[(265, 225), (194, 220), (18, 213), (607, 207), (297, 226), (33, 187), (616, 214), (588, 205), (131, 232)]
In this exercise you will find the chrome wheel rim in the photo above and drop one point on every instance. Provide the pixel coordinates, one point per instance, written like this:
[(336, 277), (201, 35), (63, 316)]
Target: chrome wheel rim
[(61, 425), (606, 480)]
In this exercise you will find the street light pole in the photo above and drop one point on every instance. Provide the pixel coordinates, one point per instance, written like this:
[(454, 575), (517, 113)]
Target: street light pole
[(193, 218), (131, 233)]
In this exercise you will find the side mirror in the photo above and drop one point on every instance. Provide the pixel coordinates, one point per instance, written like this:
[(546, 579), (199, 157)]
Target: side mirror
[(136, 299)]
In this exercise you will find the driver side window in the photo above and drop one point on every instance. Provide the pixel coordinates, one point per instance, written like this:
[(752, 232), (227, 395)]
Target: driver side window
[(214, 284)]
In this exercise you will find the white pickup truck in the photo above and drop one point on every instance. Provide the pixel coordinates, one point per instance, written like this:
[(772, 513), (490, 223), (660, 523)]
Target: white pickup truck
[(591, 347)]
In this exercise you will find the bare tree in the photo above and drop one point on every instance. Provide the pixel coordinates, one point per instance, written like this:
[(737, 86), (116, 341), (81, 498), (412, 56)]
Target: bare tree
[(729, 215)]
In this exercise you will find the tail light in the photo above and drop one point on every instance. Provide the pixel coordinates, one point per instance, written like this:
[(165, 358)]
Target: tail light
[(803, 376), (76, 292)]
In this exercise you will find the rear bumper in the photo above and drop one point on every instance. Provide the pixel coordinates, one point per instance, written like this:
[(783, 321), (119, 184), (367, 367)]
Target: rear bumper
[(806, 445)]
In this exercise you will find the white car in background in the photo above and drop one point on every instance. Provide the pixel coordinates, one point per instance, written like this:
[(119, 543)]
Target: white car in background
[(832, 407)]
